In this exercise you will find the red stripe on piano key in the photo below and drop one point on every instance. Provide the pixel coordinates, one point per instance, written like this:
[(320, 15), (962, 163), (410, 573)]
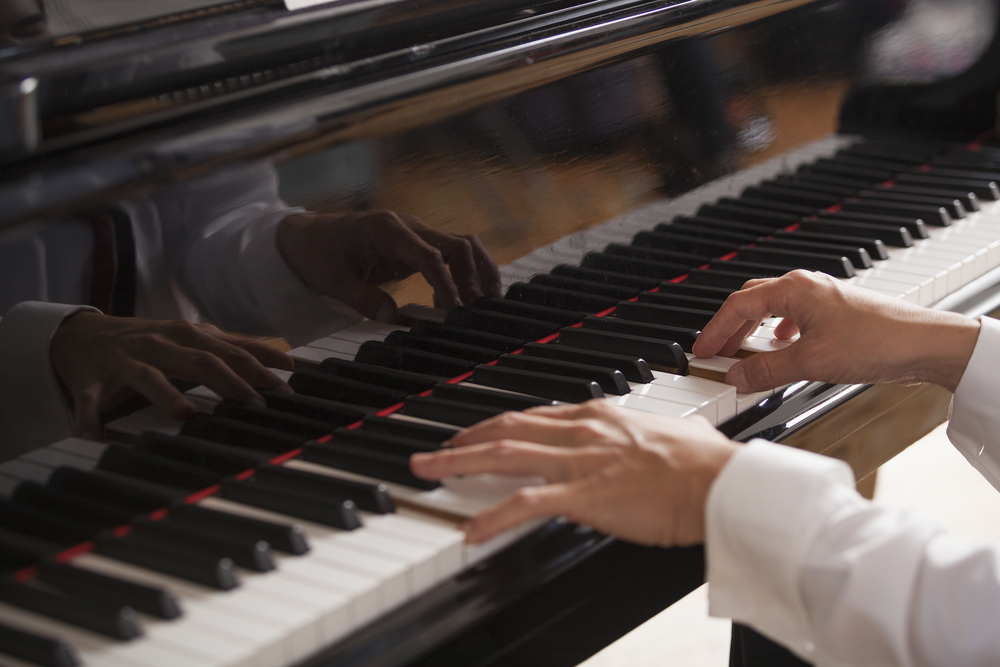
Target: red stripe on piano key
[(834, 208), (463, 376), (924, 168), (158, 515), (605, 313), (678, 279), (726, 258), (891, 183), (73, 552), (25, 574), (552, 337), (792, 227), (201, 495), (246, 474), (278, 460), (121, 531), (389, 410)]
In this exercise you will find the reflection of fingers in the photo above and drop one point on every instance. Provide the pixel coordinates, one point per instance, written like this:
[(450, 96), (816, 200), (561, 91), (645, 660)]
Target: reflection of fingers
[(154, 385), (417, 254), (238, 354), (529, 427), (524, 504), (203, 367), (502, 457), (87, 413), (489, 274), (462, 263), (265, 354)]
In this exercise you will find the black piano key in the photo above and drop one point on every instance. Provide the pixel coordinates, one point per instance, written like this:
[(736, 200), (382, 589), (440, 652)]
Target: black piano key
[(768, 205), (344, 390), (571, 390), (954, 206), (522, 328), (658, 254), (285, 422), (605, 277), (289, 538), (533, 309), (482, 339), (842, 169), (632, 266), (369, 497), (713, 277), (385, 442), (252, 554), (700, 291), (152, 600), (756, 269), (219, 573), (830, 188), (969, 200), (672, 299), (915, 226), (448, 348), (791, 195), (875, 248), (29, 520), (381, 353), (380, 376), (464, 393), (399, 427), (659, 354), (678, 240), (873, 163), (205, 454), (584, 286), (654, 313), (700, 232), (118, 622), (154, 468), (808, 177), (897, 236), (610, 380), (931, 215), (683, 336), (955, 171), (772, 220), (837, 266), (447, 411), (726, 224), (987, 189), (910, 152), (309, 506), (71, 506), (332, 412), (633, 368), (857, 255), (18, 551), (36, 649), (126, 493), (239, 434), (579, 303), (387, 466)]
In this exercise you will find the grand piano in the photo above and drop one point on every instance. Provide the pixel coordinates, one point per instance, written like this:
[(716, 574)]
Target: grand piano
[(557, 132)]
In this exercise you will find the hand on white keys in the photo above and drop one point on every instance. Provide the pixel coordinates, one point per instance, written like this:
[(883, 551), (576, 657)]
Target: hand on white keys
[(346, 257), (847, 335), (639, 476), (101, 359)]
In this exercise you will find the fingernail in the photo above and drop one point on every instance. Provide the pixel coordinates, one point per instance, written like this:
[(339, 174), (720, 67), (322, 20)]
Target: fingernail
[(738, 378)]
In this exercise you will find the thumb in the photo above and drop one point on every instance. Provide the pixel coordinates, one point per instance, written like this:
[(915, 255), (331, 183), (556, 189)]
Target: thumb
[(765, 370), (372, 302)]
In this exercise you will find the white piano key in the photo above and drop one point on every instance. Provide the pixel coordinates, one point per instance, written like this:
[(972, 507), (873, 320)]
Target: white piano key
[(389, 575), (338, 345), (706, 406), (653, 405), (756, 344), (363, 600), (80, 447), (315, 356), (723, 394)]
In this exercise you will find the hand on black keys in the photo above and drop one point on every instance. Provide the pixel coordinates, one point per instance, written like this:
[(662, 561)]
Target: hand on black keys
[(347, 256), (100, 360), (848, 335)]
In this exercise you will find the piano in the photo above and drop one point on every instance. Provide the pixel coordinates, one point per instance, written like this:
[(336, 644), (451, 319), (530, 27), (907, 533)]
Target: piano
[(627, 162)]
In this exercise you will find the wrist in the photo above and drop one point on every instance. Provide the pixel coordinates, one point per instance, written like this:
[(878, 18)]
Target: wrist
[(947, 343)]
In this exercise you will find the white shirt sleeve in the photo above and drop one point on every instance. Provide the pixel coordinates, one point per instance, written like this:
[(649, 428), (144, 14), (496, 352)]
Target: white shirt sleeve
[(33, 409), (795, 552)]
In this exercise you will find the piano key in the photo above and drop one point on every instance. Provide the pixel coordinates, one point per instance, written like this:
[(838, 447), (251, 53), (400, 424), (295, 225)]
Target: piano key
[(766, 220), (337, 345), (896, 236), (287, 537), (837, 266), (856, 255), (538, 307), (286, 422), (126, 493), (719, 232), (916, 226), (986, 189), (668, 298), (116, 621), (434, 434), (733, 280), (379, 375), (875, 247), (728, 224), (153, 468), (953, 205), (659, 353), (667, 315), (367, 497), (661, 254), (381, 465), (655, 406), (579, 304), (722, 394), (791, 194), (522, 328), (610, 380), (447, 411), (636, 267), (605, 277), (310, 506), (678, 240), (700, 291), (39, 523), (585, 286), (930, 215), (248, 553), (468, 393), (343, 390), (469, 337), (325, 410), (413, 361), (633, 368), (312, 356), (223, 459), (546, 385), (36, 649), (683, 336), (240, 434), (471, 353), (367, 330)]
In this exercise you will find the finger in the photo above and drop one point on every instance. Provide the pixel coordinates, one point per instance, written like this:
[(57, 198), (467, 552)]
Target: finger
[(195, 365), (457, 252), (503, 457), (489, 274), (766, 370), (154, 385), (736, 341), (531, 502), (528, 428), (87, 413), (786, 329), (421, 256), (268, 356), (751, 303), (230, 349)]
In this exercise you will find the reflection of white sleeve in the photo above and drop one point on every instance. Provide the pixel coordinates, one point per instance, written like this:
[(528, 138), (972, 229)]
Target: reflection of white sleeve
[(220, 233), (796, 553), (33, 409)]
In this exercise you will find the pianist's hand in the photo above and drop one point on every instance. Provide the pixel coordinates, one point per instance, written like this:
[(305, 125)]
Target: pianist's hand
[(638, 476), (346, 256), (102, 359), (848, 335)]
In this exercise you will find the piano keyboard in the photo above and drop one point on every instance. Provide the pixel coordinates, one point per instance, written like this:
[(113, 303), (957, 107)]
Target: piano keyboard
[(258, 535)]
